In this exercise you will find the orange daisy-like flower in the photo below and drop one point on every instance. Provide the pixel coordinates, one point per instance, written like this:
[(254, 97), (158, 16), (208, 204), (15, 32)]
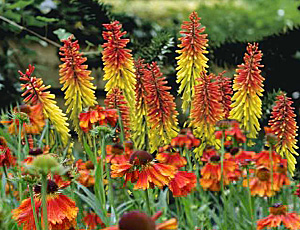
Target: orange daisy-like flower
[(117, 154), (280, 174), (284, 126), (97, 115), (86, 177), (183, 183), (248, 87), (260, 184), (226, 93), (185, 139), (61, 210), (206, 108), (136, 220), (192, 62), (279, 215), (171, 158), (92, 220), (118, 62), (161, 108), (232, 129), (116, 100), (76, 80), (211, 173), (142, 171), (36, 94), (263, 158)]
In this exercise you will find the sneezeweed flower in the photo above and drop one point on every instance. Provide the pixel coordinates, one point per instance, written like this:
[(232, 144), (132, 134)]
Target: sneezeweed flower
[(185, 139), (283, 125), (211, 173), (136, 220), (192, 62), (97, 115), (61, 210), (278, 217), (261, 184), (34, 123), (183, 183), (161, 108), (118, 62), (117, 154), (280, 174), (143, 171), (92, 220), (170, 157), (116, 100), (36, 94), (263, 158), (85, 170), (76, 80), (206, 109)]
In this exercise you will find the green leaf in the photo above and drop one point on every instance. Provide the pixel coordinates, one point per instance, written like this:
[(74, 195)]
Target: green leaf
[(45, 19), (20, 4), (62, 34), (12, 15)]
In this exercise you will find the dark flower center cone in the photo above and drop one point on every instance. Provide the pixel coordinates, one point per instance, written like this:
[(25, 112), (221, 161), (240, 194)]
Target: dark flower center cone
[(263, 174), (278, 209), (215, 158), (136, 220), (140, 157), (52, 187)]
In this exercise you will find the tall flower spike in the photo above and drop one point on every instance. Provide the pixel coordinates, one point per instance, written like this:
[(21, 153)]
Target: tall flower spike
[(115, 100), (161, 108), (36, 93), (140, 134), (76, 80), (192, 60), (226, 93), (118, 62), (206, 109), (248, 87), (284, 126)]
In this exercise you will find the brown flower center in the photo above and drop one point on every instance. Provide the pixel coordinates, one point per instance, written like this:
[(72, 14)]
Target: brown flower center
[(35, 151), (117, 149), (278, 209), (52, 187), (263, 174), (140, 157), (215, 159), (136, 220)]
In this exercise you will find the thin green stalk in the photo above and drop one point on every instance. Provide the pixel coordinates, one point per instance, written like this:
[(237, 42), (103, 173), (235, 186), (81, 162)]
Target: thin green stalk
[(122, 136), (222, 160), (36, 220), (19, 159), (272, 173), (6, 176), (44, 201), (250, 199), (147, 202)]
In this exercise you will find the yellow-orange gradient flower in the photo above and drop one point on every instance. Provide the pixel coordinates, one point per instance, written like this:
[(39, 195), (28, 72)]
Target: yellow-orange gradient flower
[(279, 215), (118, 62), (192, 62), (76, 80), (211, 173), (36, 94), (136, 220), (283, 125), (116, 100), (142, 171), (226, 93), (206, 109), (183, 183), (61, 210), (34, 126), (248, 87), (161, 108)]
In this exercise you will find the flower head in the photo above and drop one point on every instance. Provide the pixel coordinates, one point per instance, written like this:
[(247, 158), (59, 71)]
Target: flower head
[(283, 125), (171, 158), (248, 87), (76, 80), (192, 62), (279, 215), (92, 220), (183, 183), (226, 93)]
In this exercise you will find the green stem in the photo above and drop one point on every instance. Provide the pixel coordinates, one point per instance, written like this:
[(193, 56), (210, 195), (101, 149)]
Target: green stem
[(250, 199), (272, 179), (147, 202), (19, 159), (121, 127), (44, 201), (222, 160), (36, 220)]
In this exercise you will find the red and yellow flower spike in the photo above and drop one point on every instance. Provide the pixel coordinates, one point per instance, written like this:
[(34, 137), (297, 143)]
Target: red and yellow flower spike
[(248, 87), (284, 126), (192, 61), (206, 109), (36, 93), (140, 125), (226, 93), (76, 80), (116, 100), (161, 108), (118, 62)]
